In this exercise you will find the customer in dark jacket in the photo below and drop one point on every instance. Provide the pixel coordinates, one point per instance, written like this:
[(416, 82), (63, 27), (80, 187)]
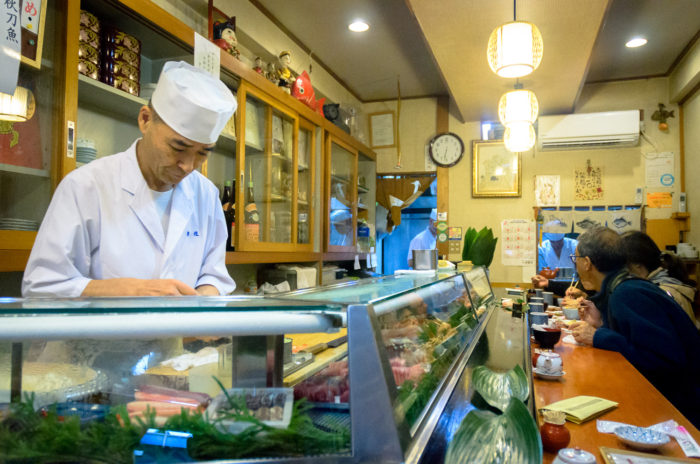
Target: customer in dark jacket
[(638, 319)]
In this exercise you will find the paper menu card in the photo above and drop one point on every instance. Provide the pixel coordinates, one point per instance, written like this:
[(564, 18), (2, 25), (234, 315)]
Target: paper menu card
[(579, 409)]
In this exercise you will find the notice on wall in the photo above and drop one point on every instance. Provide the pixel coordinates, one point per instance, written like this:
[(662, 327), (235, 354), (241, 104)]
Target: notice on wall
[(659, 199), (659, 170), (519, 242), (9, 46), (207, 55)]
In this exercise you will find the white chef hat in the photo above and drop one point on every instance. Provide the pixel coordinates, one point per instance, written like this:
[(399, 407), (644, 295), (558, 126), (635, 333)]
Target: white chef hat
[(192, 102), (433, 214)]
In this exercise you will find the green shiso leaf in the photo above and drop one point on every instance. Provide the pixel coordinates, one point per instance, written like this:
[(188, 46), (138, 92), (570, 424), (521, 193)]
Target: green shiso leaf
[(485, 437), (497, 388)]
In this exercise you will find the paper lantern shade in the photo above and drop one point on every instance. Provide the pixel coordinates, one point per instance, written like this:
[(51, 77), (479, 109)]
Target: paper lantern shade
[(515, 49), (519, 137)]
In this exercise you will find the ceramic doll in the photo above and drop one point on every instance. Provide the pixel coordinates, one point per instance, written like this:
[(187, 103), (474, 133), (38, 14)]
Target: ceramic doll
[(284, 74), (225, 36), (271, 73), (258, 65)]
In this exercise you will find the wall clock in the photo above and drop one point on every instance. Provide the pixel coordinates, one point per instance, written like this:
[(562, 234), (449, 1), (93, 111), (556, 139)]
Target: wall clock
[(446, 149)]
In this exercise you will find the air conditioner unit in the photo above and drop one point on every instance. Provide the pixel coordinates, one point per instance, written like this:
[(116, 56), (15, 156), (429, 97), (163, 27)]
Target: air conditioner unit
[(589, 130)]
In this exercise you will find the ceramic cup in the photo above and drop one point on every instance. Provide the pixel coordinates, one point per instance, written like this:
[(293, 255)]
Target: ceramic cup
[(537, 299), (571, 313), (548, 297), (549, 363), (537, 307), (539, 318), (538, 292)]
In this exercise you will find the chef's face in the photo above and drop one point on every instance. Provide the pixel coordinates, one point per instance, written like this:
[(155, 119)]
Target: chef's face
[(166, 157)]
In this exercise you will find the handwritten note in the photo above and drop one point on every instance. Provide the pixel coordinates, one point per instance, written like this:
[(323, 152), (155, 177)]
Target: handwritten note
[(659, 199), (207, 55)]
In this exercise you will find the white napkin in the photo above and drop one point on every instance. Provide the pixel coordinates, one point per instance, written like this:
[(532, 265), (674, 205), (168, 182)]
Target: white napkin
[(188, 360)]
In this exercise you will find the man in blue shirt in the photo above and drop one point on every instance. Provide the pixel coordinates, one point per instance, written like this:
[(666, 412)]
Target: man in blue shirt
[(636, 318), (555, 251), (425, 240)]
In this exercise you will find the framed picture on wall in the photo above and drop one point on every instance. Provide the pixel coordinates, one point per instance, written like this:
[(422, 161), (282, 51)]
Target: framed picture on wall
[(496, 172), (381, 129)]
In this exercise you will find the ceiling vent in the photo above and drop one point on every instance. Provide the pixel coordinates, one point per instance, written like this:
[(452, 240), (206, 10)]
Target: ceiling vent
[(589, 130)]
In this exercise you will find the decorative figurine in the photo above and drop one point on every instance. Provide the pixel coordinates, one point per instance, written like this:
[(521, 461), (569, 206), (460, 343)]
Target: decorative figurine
[(284, 74), (332, 112), (258, 65), (225, 36), (271, 73), (304, 92), (661, 115)]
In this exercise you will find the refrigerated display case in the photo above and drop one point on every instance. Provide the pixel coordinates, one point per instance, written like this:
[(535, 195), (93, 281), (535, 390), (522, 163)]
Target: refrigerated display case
[(375, 371)]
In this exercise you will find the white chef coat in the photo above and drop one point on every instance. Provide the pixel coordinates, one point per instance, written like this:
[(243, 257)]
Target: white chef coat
[(102, 223), (548, 258), (422, 241)]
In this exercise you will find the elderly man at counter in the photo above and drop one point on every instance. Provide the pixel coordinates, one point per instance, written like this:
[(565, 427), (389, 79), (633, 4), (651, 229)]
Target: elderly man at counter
[(143, 222), (636, 318)]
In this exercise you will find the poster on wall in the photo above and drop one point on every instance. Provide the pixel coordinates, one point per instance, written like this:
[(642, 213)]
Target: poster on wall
[(547, 190), (659, 199), (519, 242), (588, 183), (659, 168), (624, 220)]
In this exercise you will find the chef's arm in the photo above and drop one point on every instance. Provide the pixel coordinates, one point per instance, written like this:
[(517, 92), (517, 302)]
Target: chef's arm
[(138, 287), (208, 290)]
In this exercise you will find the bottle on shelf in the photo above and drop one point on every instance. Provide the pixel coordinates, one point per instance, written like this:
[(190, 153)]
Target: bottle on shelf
[(228, 204), (252, 217), (232, 219), (303, 228), (363, 238)]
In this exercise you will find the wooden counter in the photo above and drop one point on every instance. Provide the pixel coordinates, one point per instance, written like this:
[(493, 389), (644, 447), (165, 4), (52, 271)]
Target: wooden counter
[(607, 374)]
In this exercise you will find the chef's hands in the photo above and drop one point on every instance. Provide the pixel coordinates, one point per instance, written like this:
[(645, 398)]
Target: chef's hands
[(539, 281), (589, 313), (208, 290), (138, 287)]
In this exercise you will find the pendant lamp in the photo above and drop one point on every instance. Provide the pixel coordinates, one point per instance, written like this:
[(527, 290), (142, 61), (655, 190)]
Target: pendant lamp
[(518, 106), (515, 48), (14, 107), (519, 137)]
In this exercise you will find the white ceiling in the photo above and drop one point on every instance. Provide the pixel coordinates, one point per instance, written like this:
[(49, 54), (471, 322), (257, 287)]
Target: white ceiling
[(438, 47)]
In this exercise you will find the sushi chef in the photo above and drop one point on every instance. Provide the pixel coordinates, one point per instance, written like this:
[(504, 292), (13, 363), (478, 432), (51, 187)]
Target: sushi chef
[(425, 240), (143, 221), (556, 250)]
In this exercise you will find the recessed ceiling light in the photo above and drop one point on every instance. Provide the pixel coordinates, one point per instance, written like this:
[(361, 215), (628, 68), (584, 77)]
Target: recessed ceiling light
[(358, 26), (636, 42)]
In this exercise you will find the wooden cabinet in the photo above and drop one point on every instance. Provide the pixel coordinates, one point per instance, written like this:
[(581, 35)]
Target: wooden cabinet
[(272, 147)]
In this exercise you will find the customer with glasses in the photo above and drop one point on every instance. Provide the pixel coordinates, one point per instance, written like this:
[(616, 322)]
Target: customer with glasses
[(636, 318)]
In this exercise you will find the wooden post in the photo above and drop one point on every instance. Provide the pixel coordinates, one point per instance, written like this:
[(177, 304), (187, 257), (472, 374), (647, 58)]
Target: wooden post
[(442, 124)]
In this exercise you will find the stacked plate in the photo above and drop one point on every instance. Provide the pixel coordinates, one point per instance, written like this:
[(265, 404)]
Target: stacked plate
[(85, 151), (18, 224)]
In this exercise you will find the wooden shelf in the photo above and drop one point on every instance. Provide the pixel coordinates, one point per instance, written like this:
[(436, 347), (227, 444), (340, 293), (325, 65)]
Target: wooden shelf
[(362, 189), (24, 170), (340, 179), (341, 255), (227, 143), (98, 94), (258, 257)]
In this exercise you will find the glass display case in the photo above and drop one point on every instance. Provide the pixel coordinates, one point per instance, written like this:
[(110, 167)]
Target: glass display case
[(378, 371), (341, 185), (276, 178)]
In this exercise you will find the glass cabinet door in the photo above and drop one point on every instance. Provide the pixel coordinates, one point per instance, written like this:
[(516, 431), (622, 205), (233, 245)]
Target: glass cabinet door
[(34, 152), (275, 193), (342, 195), (305, 182)]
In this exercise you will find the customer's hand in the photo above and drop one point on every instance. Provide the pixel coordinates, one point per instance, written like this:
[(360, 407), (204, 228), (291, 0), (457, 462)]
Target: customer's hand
[(589, 313), (539, 281), (583, 333)]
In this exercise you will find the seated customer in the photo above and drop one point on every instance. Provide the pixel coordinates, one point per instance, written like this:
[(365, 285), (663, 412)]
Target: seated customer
[(639, 320), (645, 260)]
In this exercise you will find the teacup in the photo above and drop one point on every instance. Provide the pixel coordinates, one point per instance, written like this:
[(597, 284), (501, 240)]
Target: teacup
[(539, 318), (536, 307), (536, 299), (549, 363), (539, 292), (548, 298), (571, 313)]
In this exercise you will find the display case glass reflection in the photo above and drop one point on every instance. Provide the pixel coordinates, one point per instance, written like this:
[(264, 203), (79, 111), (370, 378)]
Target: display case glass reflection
[(342, 193)]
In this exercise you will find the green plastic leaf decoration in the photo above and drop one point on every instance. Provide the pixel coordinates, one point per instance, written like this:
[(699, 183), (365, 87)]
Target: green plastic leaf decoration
[(468, 240), (497, 388), (485, 438)]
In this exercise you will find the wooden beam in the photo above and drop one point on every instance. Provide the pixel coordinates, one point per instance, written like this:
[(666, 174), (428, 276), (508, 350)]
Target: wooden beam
[(442, 124)]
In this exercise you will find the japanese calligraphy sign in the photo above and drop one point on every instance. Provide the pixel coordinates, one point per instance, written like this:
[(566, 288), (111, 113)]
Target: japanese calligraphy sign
[(30, 15), (9, 45)]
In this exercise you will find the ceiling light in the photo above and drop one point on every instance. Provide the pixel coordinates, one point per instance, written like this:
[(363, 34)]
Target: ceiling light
[(519, 137), (14, 107), (518, 106), (636, 42), (358, 26), (515, 49)]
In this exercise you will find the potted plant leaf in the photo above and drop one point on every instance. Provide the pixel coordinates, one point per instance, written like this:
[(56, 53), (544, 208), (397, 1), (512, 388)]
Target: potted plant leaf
[(479, 247)]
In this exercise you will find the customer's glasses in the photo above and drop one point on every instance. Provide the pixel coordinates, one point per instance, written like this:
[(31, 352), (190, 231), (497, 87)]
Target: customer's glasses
[(574, 258)]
